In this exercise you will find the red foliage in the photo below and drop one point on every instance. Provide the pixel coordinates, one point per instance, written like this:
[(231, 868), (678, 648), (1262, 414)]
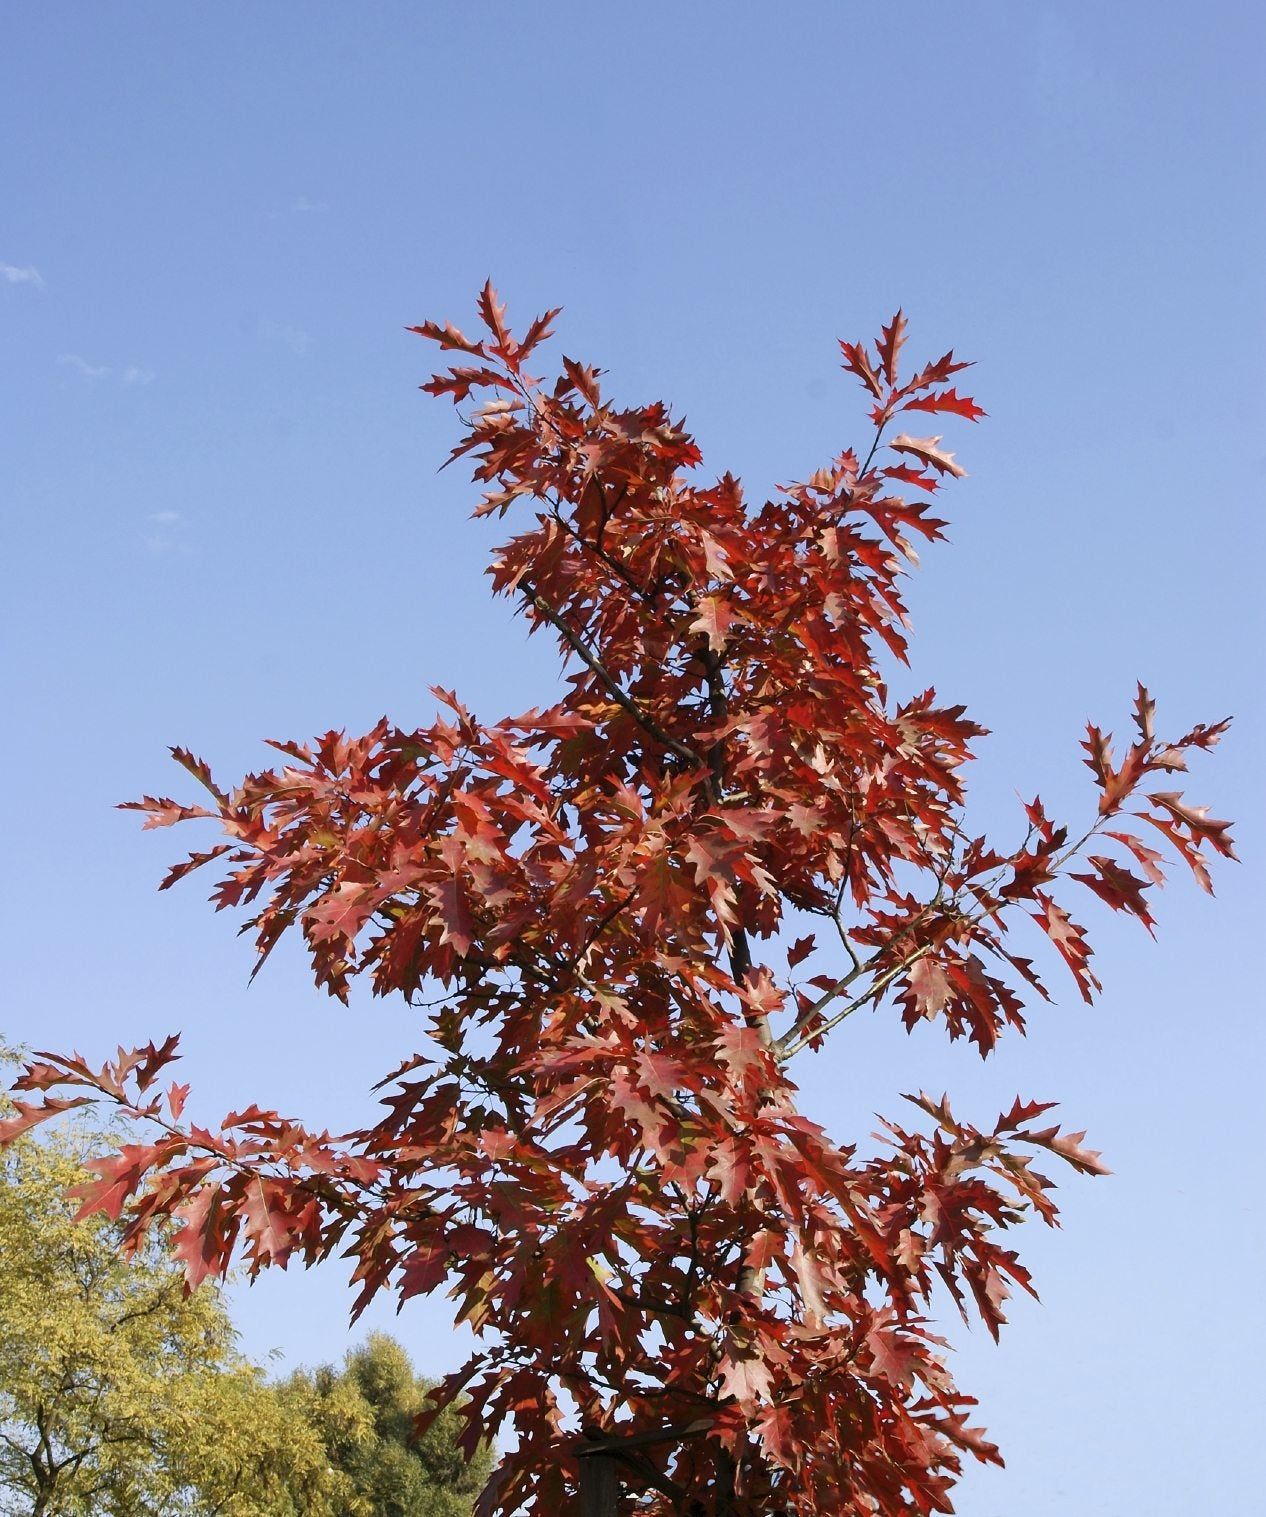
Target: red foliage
[(598, 1154)]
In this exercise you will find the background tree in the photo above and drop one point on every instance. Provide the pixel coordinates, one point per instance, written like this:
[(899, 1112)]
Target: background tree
[(364, 1415), (119, 1393), (598, 1148)]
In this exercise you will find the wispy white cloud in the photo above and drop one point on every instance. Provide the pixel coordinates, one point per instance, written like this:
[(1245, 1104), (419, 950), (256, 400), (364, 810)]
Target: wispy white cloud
[(13, 273), (160, 542), (132, 375), (295, 338), (82, 366), (166, 534), (305, 207)]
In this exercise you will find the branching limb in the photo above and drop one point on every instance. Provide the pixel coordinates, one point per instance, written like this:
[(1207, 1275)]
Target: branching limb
[(612, 685), (800, 1035)]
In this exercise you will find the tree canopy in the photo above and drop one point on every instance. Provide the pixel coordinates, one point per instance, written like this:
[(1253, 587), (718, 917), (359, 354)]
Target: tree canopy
[(623, 917), (365, 1416), (120, 1393)]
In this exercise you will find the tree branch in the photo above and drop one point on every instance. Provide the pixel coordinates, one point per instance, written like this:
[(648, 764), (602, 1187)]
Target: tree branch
[(613, 686), (799, 1035)]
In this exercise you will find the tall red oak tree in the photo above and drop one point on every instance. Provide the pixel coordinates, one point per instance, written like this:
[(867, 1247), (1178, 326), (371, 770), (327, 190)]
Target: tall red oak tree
[(598, 1153)]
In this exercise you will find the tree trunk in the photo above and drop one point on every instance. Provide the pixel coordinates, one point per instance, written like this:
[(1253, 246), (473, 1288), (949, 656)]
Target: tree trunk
[(599, 1485)]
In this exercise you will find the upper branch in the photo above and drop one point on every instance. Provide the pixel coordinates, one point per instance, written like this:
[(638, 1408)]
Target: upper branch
[(612, 685)]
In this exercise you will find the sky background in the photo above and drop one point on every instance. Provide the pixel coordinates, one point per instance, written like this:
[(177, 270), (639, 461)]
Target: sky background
[(223, 522)]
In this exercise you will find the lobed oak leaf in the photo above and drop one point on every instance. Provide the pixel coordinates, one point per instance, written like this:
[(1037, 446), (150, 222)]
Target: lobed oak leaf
[(743, 1049), (714, 619), (1144, 712), (857, 361), (936, 373), (811, 1281), (1171, 760), (890, 344), (1195, 821), (161, 811), (800, 950), (929, 987), (729, 1168), (907, 475), (200, 771), (1070, 942), (894, 1354), (425, 1269), (1118, 888), (197, 1245), (152, 1058), (714, 559), (492, 311), (1029, 868), (1020, 1113), (448, 336), (584, 380), (249, 1116), (340, 913), (1068, 1147), (956, 1429), (657, 889), (49, 1069), (456, 923), (118, 1177), (268, 1221), (194, 860), (1149, 858), (32, 1113), (946, 400), (541, 329), (460, 380), (1204, 735), (650, 1118), (744, 1376), (764, 1248), (926, 450), (939, 1111), (660, 1074), (1087, 1160)]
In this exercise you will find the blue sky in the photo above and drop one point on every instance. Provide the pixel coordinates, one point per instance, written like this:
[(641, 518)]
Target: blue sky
[(223, 523)]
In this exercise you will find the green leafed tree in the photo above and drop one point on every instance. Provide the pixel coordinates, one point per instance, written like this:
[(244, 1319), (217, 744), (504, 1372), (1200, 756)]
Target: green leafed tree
[(364, 1415), (120, 1394)]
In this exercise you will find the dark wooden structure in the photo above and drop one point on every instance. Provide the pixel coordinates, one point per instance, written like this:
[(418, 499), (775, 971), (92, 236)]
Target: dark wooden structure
[(605, 1460)]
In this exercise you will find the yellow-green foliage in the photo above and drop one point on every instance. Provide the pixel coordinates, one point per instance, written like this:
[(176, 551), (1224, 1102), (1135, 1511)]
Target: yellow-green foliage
[(119, 1395), (365, 1415)]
